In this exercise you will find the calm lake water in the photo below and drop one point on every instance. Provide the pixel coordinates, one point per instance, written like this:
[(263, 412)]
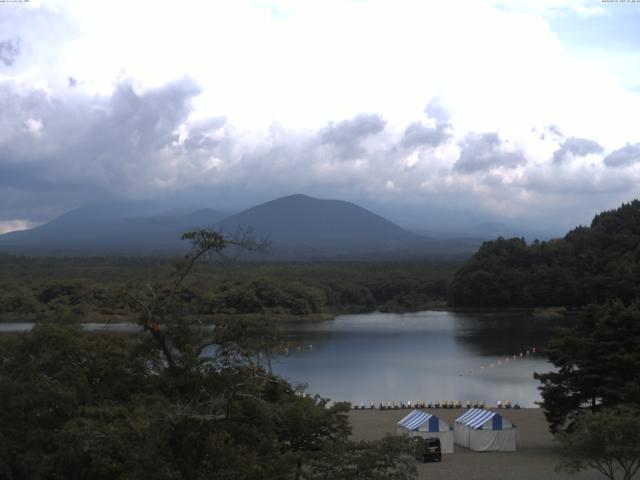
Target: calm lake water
[(420, 356), (414, 356)]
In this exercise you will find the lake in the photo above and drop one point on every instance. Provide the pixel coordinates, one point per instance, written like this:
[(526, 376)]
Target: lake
[(414, 356), (420, 356)]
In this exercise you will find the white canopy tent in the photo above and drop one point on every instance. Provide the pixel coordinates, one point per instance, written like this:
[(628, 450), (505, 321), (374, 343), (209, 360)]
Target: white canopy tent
[(425, 425), (485, 431)]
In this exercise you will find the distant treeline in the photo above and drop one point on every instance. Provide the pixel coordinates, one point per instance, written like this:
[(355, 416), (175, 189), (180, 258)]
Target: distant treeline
[(590, 264), (86, 289)]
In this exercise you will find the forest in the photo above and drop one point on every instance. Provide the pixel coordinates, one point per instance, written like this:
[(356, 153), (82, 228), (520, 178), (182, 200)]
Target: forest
[(589, 264), (77, 405), (91, 289)]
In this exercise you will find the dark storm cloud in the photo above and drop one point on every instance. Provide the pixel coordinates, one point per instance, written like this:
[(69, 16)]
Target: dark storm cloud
[(578, 147), (60, 151), (484, 151), (627, 155), (418, 134), (107, 145), (9, 51)]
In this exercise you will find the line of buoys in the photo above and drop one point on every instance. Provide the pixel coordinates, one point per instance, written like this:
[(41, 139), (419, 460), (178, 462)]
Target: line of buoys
[(501, 362), (437, 404), (417, 405)]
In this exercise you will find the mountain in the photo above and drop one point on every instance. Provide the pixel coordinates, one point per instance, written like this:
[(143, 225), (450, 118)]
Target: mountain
[(589, 264), (299, 228), (299, 224), (105, 231)]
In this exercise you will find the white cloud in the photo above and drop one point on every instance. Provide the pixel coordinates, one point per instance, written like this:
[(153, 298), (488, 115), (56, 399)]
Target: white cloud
[(553, 7), (625, 156), (410, 101)]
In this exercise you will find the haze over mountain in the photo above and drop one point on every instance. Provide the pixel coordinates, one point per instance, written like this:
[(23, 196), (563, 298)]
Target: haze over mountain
[(298, 226), (105, 230)]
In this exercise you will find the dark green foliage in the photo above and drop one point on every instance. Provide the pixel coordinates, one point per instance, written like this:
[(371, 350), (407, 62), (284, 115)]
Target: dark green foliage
[(388, 459), (607, 441), (587, 265), (269, 295), (77, 405), (598, 364), (85, 290), (350, 297), (178, 402), (47, 379)]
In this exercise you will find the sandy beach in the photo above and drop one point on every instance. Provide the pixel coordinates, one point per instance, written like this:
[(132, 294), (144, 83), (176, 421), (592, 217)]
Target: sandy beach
[(535, 459)]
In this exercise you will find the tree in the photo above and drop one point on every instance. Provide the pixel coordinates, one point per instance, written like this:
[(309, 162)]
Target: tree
[(598, 364), (588, 265), (180, 401), (388, 459), (53, 377), (160, 309), (607, 441)]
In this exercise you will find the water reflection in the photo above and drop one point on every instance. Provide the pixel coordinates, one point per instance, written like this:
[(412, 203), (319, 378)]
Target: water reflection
[(417, 356), (420, 356)]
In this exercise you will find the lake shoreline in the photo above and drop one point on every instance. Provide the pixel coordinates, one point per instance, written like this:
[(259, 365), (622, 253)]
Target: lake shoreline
[(396, 357), (289, 318)]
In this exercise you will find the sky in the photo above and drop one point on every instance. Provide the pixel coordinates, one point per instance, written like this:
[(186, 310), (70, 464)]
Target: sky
[(437, 114)]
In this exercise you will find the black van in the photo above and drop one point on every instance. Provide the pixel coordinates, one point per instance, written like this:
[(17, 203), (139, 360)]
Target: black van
[(428, 449)]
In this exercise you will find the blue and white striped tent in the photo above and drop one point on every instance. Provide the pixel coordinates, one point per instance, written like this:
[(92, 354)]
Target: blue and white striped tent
[(484, 430), (426, 425)]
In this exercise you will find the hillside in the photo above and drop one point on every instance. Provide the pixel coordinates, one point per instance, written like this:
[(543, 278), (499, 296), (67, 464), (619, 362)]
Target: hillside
[(97, 231), (302, 224), (590, 264), (299, 228)]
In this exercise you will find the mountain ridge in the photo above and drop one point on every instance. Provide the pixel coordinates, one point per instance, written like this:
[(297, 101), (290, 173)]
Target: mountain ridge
[(299, 226)]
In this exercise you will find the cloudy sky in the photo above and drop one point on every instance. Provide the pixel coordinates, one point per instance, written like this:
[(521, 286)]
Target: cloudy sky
[(432, 112)]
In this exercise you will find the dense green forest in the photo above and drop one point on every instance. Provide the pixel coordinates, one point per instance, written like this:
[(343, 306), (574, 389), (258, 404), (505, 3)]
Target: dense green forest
[(590, 264), (78, 405), (91, 289)]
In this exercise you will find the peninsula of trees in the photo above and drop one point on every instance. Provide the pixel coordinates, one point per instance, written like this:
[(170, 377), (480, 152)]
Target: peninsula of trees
[(589, 265)]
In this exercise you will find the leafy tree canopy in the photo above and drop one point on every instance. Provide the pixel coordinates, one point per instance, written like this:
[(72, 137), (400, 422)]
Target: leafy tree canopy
[(607, 441), (590, 264), (598, 364), (179, 401)]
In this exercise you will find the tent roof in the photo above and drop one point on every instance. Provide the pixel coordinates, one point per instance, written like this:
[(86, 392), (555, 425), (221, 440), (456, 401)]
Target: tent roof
[(476, 418), (415, 420)]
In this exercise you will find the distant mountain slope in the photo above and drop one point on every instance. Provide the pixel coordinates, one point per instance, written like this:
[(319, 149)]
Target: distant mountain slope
[(590, 264), (307, 224), (85, 232), (299, 227)]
